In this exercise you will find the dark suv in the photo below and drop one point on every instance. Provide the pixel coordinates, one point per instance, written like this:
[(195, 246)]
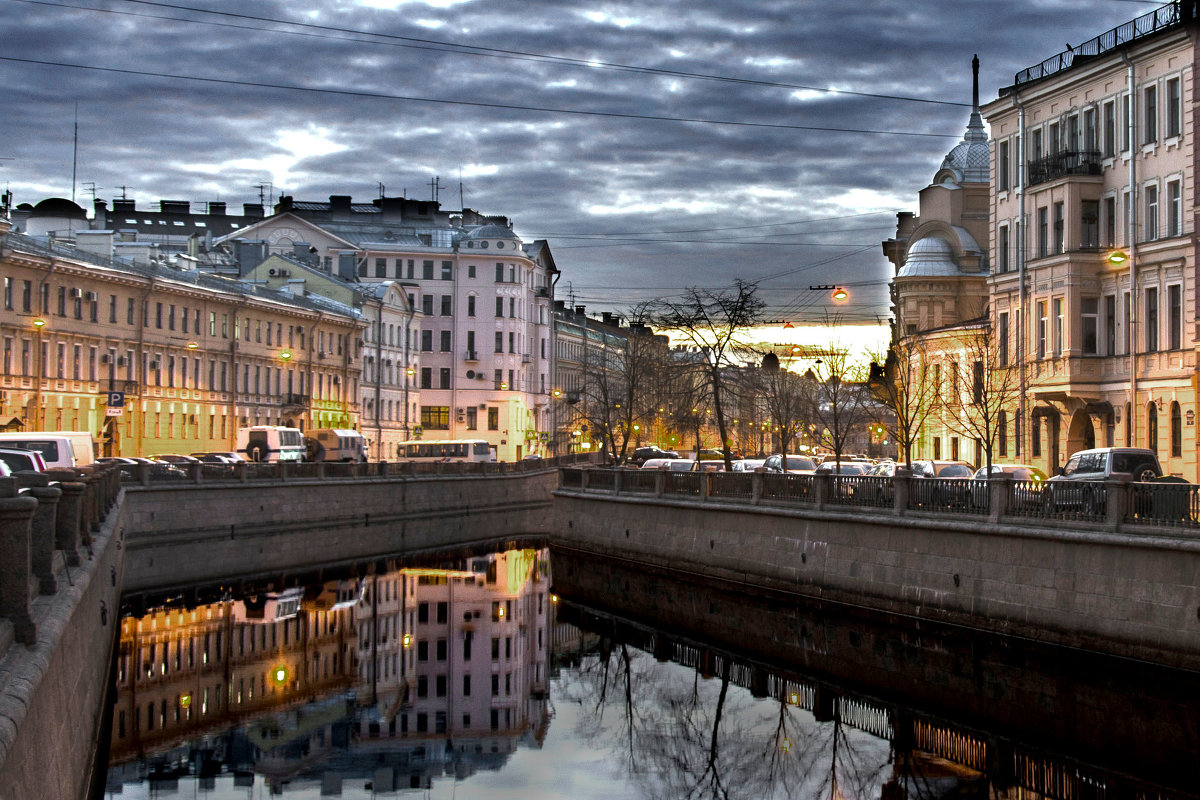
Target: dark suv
[(642, 454)]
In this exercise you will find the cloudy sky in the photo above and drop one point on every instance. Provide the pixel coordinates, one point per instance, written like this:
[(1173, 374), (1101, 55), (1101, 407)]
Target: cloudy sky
[(656, 145)]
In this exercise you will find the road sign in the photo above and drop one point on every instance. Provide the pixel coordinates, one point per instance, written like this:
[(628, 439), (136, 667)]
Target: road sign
[(116, 400), (113, 412)]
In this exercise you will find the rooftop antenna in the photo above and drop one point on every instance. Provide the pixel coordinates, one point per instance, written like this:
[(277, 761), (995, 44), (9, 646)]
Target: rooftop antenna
[(461, 203), (75, 152), (265, 190), (123, 188), (435, 187), (382, 188), (91, 188)]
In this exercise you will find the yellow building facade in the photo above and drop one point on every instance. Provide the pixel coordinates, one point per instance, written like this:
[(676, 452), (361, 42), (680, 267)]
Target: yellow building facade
[(192, 356)]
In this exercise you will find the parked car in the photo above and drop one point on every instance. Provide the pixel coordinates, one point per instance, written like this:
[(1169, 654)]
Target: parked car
[(884, 469), (22, 460), (942, 469), (176, 459), (1079, 484), (129, 466), (218, 458), (793, 463), (662, 463), (748, 464), (845, 468), (1027, 493), (642, 454)]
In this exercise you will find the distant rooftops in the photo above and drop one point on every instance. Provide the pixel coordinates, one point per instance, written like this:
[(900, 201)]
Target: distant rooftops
[(1172, 15)]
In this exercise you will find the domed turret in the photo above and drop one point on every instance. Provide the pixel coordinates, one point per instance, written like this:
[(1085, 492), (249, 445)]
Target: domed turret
[(967, 162)]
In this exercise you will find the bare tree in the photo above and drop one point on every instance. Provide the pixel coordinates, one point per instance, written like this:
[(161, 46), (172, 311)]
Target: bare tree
[(902, 380), (789, 400), (714, 324), (843, 399), (982, 387)]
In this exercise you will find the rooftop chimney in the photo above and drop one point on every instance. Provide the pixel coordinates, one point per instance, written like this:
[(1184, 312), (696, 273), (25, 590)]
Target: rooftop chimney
[(216, 208)]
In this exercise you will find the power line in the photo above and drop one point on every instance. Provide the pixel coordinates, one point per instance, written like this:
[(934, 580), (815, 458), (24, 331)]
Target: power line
[(709, 230), (472, 103), (396, 40)]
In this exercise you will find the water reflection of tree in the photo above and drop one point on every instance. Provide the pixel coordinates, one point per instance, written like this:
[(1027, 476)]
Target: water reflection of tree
[(703, 739)]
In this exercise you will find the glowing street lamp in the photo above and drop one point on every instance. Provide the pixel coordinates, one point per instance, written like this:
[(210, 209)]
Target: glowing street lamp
[(840, 295), (285, 355), (1118, 257), (39, 323)]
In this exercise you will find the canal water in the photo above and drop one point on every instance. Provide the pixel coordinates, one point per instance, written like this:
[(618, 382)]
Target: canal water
[(537, 674)]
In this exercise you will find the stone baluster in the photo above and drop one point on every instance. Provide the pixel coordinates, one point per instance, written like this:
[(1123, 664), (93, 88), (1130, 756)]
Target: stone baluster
[(902, 484), (70, 514), (42, 544), (999, 492), (1119, 496), (822, 488), (16, 561)]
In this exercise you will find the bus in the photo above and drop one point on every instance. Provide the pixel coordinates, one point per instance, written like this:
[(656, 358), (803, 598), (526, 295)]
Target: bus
[(446, 450), (270, 443)]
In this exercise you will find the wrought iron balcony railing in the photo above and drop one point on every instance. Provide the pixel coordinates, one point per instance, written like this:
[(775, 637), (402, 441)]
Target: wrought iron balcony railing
[(1064, 162)]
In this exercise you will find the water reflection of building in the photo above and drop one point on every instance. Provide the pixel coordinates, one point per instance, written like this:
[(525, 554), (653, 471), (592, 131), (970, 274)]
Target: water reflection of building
[(182, 671), (421, 673)]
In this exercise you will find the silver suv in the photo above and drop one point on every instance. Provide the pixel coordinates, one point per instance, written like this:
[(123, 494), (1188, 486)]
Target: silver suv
[(1101, 463), (1077, 487)]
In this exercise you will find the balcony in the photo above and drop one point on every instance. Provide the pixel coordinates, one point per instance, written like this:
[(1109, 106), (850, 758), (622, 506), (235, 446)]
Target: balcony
[(294, 400), (471, 355), (1064, 162)]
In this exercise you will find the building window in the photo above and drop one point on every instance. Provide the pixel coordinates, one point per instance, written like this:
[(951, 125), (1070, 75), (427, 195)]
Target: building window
[(1059, 228), (445, 341), (493, 419), (1151, 319), (1176, 431), (1002, 431), (1035, 437), (1002, 248), (1110, 325), (1089, 224), (1041, 329), (1175, 317), (499, 306), (1090, 307), (1125, 123), (1174, 208), (427, 341), (1110, 221), (445, 305), (380, 267), (1152, 426), (472, 418), (435, 418), (1002, 167), (427, 270), (499, 342), (471, 305), (1150, 124), (1174, 108), (444, 378), (1043, 217), (1150, 229), (447, 270), (1058, 326), (1089, 131), (1002, 336), (426, 377), (1110, 129)]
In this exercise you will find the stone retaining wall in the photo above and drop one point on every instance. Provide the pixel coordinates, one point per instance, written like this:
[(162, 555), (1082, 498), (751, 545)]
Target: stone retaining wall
[(1128, 594)]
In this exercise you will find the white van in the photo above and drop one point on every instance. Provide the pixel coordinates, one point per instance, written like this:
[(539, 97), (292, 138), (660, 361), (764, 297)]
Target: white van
[(84, 444), (270, 443), (335, 444), (57, 449)]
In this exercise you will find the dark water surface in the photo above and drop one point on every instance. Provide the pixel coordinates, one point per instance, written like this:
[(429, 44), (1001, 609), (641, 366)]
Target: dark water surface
[(530, 674)]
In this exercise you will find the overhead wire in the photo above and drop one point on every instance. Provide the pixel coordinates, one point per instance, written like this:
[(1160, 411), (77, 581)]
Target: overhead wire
[(476, 50)]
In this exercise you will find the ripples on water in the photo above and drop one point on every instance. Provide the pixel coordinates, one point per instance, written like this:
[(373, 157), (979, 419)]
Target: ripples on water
[(473, 680)]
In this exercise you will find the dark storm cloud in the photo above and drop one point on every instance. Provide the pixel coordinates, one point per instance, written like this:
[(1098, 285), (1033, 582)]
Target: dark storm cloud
[(556, 175)]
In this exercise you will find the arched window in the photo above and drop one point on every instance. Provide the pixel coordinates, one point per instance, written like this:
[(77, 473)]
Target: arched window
[(1152, 426), (1128, 426), (1176, 431)]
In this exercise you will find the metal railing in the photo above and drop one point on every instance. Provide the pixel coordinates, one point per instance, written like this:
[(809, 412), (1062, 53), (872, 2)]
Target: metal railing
[(1161, 19), (1105, 504), (1064, 162)]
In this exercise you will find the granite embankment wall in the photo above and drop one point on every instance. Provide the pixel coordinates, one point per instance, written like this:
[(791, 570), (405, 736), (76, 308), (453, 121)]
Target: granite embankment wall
[(61, 562), (1134, 594), (179, 535)]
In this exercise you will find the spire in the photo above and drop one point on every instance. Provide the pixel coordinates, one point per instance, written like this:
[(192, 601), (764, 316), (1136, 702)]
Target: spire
[(975, 82)]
